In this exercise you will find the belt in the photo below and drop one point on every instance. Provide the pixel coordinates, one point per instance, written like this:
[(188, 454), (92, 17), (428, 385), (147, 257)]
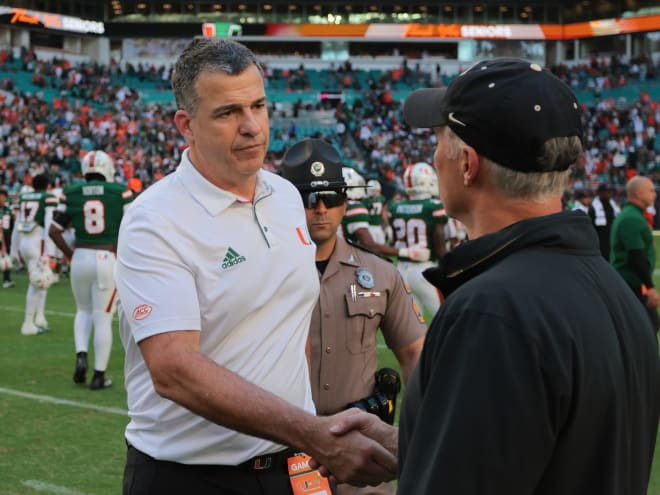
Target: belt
[(260, 463), (268, 462)]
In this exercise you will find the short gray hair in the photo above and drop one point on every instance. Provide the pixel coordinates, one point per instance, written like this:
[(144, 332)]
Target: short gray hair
[(529, 185), (207, 55)]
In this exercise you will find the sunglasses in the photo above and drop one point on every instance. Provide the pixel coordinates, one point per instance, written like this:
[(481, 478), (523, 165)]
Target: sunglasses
[(331, 199)]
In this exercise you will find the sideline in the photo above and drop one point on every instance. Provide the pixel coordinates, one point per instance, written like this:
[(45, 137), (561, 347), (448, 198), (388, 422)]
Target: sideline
[(42, 486), (64, 402)]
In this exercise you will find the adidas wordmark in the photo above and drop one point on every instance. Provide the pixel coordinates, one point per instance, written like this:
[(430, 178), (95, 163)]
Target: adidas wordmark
[(232, 258)]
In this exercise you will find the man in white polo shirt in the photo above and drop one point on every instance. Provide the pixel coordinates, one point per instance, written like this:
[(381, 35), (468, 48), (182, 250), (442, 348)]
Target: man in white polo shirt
[(216, 280)]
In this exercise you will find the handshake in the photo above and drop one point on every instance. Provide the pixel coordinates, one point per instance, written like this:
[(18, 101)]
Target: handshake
[(362, 449), (415, 252)]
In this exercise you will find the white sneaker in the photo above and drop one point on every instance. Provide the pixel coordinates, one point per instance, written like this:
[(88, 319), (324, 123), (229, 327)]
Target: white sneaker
[(41, 322), (7, 284), (30, 328)]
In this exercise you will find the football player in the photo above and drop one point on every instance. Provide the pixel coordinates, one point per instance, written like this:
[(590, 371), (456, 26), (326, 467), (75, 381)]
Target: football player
[(6, 221), (355, 224), (35, 211), (94, 209), (419, 220), (375, 202)]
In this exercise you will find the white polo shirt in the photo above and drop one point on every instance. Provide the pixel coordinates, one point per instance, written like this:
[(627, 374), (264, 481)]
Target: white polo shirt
[(193, 257)]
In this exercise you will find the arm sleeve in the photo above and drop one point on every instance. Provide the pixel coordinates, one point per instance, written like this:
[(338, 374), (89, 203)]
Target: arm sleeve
[(402, 323), (61, 220), (640, 266)]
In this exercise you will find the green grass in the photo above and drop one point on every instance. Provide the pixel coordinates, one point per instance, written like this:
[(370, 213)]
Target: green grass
[(46, 444), (51, 446), (60, 438)]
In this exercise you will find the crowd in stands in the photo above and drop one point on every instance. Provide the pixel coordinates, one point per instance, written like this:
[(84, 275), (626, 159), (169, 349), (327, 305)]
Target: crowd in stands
[(73, 108)]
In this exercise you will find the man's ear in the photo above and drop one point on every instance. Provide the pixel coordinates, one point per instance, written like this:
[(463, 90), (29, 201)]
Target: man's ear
[(182, 121), (471, 165)]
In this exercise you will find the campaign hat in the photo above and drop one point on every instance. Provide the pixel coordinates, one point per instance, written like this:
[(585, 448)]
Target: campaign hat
[(313, 165)]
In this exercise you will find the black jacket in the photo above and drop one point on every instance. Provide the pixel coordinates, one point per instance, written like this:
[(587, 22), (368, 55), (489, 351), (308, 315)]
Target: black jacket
[(540, 373)]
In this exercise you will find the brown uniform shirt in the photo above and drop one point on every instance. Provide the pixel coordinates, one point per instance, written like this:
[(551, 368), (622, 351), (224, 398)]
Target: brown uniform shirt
[(343, 330)]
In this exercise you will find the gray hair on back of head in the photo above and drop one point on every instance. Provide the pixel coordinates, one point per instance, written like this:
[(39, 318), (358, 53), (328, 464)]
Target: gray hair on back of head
[(207, 55), (530, 185)]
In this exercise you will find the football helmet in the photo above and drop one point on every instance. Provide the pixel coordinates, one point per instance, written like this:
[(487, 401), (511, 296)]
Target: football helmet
[(357, 187), (420, 181), (42, 276), (374, 188), (99, 162)]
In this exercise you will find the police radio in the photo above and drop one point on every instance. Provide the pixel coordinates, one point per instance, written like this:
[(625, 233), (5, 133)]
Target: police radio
[(382, 402)]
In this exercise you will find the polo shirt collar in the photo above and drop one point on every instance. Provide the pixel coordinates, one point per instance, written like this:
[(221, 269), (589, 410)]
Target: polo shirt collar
[(213, 198)]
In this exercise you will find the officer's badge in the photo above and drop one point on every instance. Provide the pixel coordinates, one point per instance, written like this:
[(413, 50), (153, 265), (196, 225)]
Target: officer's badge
[(365, 278), (317, 169)]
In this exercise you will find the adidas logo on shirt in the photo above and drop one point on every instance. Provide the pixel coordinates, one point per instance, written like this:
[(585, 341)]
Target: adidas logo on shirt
[(232, 258)]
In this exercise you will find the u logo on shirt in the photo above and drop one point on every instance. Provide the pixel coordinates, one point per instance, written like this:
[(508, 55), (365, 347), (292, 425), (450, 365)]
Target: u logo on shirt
[(303, 239)]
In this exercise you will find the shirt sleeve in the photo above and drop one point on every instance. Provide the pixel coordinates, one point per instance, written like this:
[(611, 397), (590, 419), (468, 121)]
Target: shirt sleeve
[(487, 414), (402, 323), (155, 286)]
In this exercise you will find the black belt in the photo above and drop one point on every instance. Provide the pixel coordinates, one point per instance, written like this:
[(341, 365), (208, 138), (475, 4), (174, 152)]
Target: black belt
[(260, 463), (268, 462)]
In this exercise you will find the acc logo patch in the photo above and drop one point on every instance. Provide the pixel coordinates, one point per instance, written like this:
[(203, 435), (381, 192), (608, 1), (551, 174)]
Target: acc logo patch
[(142, 311)]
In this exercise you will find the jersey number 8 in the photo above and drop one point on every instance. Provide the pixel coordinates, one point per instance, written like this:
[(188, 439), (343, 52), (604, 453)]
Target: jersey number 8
[(94, 214)]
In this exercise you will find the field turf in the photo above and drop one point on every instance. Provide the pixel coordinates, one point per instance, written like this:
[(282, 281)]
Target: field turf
[(60, 438)]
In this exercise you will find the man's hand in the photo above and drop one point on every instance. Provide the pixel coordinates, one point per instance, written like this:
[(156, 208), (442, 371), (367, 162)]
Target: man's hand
[(375, 465), (652, 298)]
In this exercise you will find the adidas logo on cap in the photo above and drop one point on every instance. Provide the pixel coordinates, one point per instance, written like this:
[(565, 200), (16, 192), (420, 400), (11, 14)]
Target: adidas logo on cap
[(232, 258)]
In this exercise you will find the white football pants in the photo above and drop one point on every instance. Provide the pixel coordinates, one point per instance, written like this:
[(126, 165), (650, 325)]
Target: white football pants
[(425, 294), (95, 294), (31, 248)]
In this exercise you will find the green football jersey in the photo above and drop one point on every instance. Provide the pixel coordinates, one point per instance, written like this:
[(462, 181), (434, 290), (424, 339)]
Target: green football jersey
[(96, 209), (375, 206), (413, 222), (33, 209), (355, 218), (5, 218)]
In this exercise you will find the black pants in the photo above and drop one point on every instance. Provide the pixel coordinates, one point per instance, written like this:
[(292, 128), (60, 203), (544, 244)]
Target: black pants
[(144, 475)]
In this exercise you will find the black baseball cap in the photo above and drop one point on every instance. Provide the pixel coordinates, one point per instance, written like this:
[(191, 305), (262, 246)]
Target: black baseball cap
[(582, 193), (506, 109), (313, 165)]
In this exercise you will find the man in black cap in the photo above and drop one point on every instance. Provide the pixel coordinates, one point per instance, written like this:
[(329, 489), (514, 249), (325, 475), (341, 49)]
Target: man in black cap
[(540, 372), (360, 293), (603, 210)]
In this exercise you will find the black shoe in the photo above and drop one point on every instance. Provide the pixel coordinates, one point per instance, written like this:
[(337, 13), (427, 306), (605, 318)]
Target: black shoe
[(79, 376), (99, 381)]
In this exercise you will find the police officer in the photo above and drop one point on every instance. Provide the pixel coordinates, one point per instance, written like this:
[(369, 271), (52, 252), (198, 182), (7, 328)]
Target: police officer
[(360, 292)]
